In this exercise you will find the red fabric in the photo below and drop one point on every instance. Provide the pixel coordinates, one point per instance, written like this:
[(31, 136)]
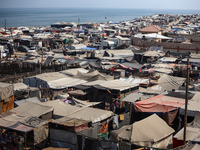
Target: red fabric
[(159, 103)]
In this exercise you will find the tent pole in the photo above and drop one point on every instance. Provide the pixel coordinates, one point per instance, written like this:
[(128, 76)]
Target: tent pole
[(186, 103)]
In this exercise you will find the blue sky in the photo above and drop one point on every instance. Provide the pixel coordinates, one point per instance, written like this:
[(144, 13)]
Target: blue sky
[(150, 4)]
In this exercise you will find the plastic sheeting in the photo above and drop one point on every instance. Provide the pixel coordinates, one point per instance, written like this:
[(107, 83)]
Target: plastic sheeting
[(6, 106), (170, 82), (60, 138), (159, 103)]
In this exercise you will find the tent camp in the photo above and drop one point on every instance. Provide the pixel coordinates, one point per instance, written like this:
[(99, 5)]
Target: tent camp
[(150, 132)]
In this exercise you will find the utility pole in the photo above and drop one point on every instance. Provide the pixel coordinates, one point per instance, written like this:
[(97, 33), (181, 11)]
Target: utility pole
[(186, 103), (78, 25), (5, 25)]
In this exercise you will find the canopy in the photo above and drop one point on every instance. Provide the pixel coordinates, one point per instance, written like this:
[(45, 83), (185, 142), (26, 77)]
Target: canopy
[(159, 103)]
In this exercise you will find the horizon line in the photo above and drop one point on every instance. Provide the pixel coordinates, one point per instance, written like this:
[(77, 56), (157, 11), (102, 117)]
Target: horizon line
[(106, 8)]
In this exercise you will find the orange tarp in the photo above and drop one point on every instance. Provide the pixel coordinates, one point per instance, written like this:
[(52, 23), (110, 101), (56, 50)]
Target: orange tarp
[(159, 103), (8, 105)]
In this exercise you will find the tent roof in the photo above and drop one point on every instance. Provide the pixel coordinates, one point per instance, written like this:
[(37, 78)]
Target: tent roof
[(196, 97), (60, 108), (132, 97), (192, 134), (91, 76), (170, 82), (84, 103), (115, 85), (120, 53), (74, 71), (192, 147), (31, 109), (91, 114), (151, 29), (154, 53), (153, 35), (159, 103), (134, 65), (65, 83), (6, 90), (32, 100), (50, 76), (134, 80), (150, 129), (20, 86)]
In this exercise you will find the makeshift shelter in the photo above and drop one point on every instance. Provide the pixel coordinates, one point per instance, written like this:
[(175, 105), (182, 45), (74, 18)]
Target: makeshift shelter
[(30, 120), (169, 83), (149, 132), (22, 91), (42, 80), (6, 97), (159, 103)]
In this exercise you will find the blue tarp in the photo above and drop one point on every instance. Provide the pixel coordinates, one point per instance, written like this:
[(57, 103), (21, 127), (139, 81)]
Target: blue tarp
[(89, 48)]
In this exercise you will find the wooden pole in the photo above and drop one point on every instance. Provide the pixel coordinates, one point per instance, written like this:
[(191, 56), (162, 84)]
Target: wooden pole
[(25, 140), (130, 112), (186, 103)]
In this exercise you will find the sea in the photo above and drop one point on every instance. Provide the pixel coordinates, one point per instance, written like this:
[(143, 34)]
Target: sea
[(17, 17)]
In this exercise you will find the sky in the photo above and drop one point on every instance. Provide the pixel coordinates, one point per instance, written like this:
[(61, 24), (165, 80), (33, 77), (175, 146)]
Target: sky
[(144, 4)]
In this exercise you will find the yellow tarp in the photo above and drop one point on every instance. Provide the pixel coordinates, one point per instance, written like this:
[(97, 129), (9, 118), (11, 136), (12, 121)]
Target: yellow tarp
[(6, 106)]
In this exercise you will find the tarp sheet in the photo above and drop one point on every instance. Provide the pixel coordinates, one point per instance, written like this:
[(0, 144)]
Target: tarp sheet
[(31, 109), (6, 106), (91, 76), (91, 114), (159, 103), (6, 91), (170, 82), (74, 71), (115, 85), (61, 109), (132, 97), (65, 83), (151, 131)]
